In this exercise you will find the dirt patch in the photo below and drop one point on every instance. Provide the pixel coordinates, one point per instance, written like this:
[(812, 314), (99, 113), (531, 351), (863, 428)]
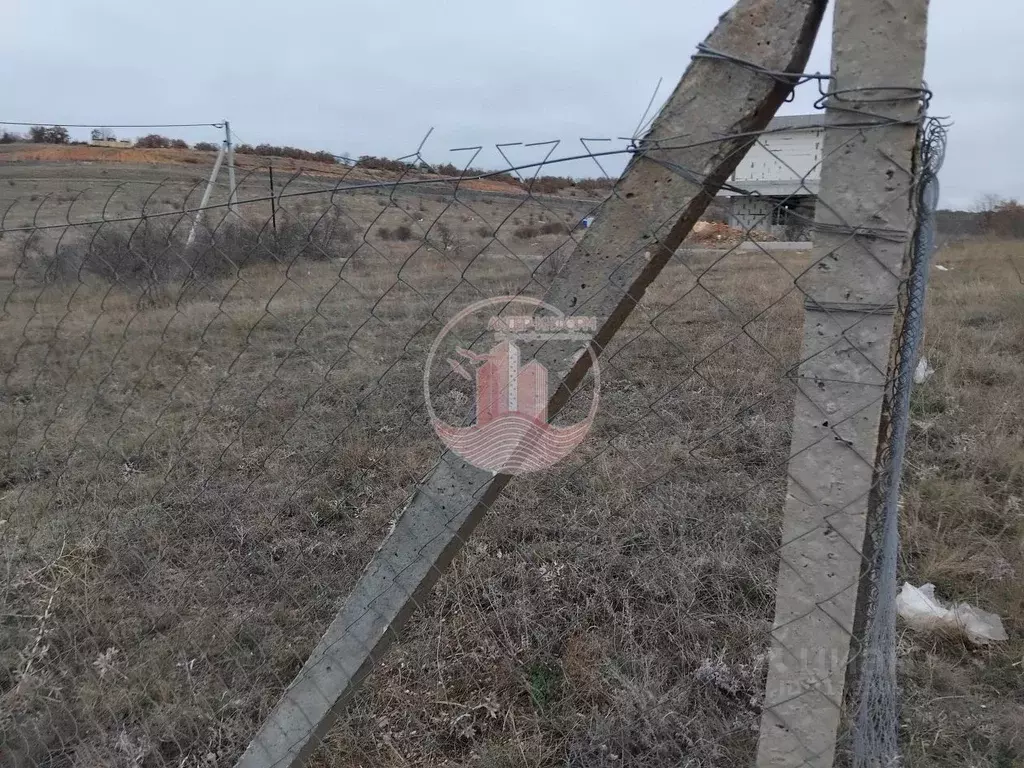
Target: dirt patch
[(81, 154)]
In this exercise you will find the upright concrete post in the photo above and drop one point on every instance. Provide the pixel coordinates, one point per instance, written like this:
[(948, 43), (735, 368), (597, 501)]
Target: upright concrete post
[(863, 224), (706, 127)]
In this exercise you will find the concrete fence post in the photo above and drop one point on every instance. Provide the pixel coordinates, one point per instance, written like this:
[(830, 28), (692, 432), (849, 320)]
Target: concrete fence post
[(862, 230)]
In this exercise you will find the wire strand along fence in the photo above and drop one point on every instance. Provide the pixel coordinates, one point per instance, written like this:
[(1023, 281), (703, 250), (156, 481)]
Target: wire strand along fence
[(876, 732), (203, 446)]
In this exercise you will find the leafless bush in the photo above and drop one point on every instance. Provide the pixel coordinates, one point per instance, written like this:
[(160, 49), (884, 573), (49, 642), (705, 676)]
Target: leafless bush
[(153, 141), (271, 150), (110, 252), (1002, 218), (54, 134), (554, 228), (156, 251), (556, 261), (450, 241)]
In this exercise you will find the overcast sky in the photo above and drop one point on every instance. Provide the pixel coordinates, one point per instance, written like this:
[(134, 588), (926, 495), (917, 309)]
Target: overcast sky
[(372, 77)]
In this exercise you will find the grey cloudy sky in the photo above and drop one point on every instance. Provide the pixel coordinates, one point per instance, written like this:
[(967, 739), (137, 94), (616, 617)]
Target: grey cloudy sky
[(371, 77)]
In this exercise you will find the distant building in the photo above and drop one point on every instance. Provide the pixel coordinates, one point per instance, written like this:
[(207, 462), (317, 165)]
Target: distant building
[(111, 142), (781, 175)]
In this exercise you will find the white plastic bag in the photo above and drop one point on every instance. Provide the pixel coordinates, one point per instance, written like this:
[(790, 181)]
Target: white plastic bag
[(923, 371), (921, 610)]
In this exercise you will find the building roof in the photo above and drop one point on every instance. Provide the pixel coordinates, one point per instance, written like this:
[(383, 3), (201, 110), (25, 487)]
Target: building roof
[(813, 120)]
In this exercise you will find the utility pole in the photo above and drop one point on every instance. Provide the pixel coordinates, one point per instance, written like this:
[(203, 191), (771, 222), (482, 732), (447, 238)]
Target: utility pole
[(206, 196), (230, 150), (273, 199)]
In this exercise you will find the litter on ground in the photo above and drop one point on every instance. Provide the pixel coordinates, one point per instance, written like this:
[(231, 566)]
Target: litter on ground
[(923, 371), (923, 611)]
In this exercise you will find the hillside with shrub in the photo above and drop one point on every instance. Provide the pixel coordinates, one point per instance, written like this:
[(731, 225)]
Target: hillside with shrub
[(150, 149)]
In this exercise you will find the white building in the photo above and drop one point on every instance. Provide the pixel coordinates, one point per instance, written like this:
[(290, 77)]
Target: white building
[(779, 178), (111, 142)]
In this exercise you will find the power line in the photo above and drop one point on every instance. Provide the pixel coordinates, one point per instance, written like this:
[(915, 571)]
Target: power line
[(107, 125)]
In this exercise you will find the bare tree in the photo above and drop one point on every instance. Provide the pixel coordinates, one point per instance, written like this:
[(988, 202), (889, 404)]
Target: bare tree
[(999, 216), (54, 134)]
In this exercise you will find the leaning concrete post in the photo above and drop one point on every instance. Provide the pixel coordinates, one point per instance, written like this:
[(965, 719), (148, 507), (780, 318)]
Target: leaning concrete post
[(651, 213)]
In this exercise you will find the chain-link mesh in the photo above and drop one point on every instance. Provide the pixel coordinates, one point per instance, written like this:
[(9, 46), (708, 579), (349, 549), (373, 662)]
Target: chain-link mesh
[(875, 737), (206, 442)]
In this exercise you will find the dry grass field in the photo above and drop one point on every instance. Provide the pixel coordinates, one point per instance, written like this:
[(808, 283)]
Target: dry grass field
[(196, 469), (963, 521)]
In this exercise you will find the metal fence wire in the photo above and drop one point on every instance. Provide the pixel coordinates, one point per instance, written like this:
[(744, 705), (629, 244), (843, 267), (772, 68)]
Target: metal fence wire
[(205, 444), (875, 735)]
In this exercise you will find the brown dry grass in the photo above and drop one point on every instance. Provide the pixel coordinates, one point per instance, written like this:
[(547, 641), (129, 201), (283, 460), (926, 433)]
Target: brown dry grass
[(63, 153), (191, 486), (963, 526)]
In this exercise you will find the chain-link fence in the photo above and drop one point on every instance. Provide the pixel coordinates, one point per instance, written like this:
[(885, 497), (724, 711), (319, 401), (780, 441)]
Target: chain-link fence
[(214, 419)]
